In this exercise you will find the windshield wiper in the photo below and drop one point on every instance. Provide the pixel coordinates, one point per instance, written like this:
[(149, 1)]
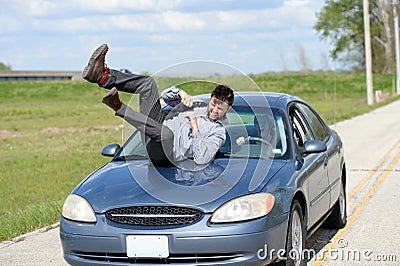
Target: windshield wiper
[(130, 157), (222, 155)]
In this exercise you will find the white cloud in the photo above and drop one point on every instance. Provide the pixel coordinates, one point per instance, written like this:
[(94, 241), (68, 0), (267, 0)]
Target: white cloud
[(39, 7), (162, 37), (140, 23), (159, 31), (296, 3), (244, 55), (183, 21), (114, 5), (10, 25), (159, 17)]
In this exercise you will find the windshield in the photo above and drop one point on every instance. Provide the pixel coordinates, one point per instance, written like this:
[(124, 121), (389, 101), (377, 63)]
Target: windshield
[(250, 133), (254, 133)]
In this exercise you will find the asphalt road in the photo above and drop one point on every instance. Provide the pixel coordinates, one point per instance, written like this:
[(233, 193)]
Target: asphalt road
[(372, 152)]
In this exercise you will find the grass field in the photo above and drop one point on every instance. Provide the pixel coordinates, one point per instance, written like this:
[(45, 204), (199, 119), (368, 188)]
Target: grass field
[(51, 135)]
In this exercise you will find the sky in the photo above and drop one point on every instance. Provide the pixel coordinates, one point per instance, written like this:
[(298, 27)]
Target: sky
[(253, 36)]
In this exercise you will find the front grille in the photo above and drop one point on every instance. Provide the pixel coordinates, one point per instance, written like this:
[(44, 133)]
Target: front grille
[(172, 259), (154, 215)]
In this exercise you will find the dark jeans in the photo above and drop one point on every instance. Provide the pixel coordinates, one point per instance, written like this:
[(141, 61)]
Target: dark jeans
[(149, 120)]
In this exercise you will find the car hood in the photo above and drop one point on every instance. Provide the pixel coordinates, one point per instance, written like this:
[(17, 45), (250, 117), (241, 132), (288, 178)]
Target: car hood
[(132, 183)]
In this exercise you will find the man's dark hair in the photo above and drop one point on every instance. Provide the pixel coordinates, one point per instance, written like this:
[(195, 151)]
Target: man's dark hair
[(223, 93)]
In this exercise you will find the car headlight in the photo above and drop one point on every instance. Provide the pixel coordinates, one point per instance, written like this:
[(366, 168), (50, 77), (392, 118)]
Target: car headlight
[(78, 209), (244, 208)]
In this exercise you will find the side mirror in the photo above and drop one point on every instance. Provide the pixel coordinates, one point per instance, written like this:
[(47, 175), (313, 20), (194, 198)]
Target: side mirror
[(110, 150), (314, 146)]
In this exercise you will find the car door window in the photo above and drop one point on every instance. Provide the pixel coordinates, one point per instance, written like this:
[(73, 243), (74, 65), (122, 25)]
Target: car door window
[(298, 133), (319, 128), (302, 132)]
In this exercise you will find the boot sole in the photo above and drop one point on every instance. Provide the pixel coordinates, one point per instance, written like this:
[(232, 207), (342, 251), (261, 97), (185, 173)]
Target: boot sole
[(113, 91), (88, 71), (109, 98)]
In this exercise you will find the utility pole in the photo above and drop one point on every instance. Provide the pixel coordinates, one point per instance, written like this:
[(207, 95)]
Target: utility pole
[(368, 53), (396, 44)]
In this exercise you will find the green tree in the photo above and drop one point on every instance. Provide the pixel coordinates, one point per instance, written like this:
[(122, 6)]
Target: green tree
[(4, 67), (341, 22)]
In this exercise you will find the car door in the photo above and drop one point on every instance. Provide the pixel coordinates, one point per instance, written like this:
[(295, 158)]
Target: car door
[(323, 133), (317, 184)]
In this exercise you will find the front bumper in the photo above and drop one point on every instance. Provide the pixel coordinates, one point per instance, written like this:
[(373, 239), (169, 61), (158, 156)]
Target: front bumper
[(244, 243)]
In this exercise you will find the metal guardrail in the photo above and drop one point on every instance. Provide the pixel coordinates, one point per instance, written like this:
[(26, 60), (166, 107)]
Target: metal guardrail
[(39, 75)]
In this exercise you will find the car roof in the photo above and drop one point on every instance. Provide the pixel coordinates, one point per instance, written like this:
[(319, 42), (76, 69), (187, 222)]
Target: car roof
[(257, 99)]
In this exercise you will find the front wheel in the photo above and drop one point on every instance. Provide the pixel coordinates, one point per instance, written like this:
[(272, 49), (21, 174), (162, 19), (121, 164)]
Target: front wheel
[(296, 237)]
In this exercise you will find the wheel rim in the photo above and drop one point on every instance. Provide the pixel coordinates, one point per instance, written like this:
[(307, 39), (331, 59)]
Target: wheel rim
[(297, 239), (342, 203)]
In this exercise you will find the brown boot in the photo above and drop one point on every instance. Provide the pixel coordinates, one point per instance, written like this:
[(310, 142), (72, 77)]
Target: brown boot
[(96, 71), (112, 99)]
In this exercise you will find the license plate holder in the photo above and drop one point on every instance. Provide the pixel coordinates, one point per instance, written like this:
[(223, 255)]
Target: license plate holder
[(147, 246)]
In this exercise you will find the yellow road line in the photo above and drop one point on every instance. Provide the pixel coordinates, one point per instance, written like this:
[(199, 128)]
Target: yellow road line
[(372, 171), (340, 234)]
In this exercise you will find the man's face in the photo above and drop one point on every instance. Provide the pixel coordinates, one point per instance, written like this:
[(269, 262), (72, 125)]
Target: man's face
[(217, 109)]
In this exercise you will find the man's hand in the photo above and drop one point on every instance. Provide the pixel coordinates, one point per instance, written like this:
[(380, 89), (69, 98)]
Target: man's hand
[(193, 122), (240, 140), (185, 98)]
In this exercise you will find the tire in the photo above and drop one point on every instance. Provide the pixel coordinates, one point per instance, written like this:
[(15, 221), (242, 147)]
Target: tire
[(296, 237), (338, 218)]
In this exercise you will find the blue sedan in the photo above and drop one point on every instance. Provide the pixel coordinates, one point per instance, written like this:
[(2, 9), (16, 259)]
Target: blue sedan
[(280, 175)]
